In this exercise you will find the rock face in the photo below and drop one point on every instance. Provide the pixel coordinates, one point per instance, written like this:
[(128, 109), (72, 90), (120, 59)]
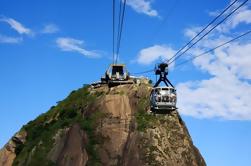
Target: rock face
[(8, 153), (103, 126)]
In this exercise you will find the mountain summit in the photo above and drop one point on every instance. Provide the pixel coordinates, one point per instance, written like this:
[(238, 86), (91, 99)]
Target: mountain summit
[(103, 126)]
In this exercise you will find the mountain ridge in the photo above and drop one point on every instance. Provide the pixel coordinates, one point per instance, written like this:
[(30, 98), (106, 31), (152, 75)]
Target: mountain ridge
[(103, 126)]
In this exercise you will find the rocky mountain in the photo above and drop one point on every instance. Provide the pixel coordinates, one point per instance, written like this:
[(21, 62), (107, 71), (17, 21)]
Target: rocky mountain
[(103, 126)]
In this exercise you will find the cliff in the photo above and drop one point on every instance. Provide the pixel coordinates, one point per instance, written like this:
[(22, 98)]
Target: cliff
[(103, 126)]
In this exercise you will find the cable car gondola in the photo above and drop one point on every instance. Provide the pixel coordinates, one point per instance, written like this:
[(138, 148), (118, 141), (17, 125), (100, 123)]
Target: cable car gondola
[(163, 99)]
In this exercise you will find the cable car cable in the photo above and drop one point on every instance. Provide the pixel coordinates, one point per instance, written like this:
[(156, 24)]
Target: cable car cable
[(120, 30), (211, 22), (205, 28), (208, 32), (143, 72), (206, 52), (147, 71), (118, 27), (202, 31), (119, 22), (113, 31)]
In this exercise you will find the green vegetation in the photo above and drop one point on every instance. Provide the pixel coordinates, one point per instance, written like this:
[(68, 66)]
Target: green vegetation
[(89, 124), (144, 120), (40, 132)]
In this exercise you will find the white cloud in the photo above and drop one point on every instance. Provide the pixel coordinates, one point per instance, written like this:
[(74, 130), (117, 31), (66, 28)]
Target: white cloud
[(50, 28), (74, 45), (10, 40), (226, 93), (148, 55), (241, 16), (222, 96), (143, 6), (191, 32), (17, 26)]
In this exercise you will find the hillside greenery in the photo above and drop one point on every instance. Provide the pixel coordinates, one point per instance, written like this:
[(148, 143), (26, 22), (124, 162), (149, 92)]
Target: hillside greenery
[(40, 132)]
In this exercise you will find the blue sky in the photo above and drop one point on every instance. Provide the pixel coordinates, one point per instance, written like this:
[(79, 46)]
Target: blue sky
[(49, 48)]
